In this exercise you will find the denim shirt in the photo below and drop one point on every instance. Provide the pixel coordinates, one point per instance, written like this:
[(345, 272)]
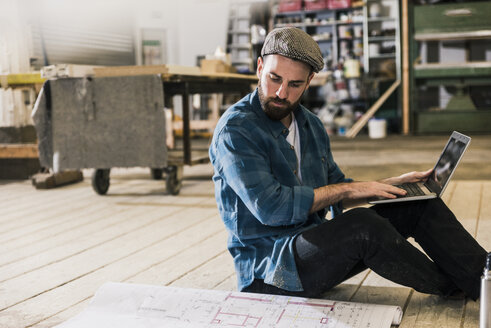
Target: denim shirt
[(259, 197)]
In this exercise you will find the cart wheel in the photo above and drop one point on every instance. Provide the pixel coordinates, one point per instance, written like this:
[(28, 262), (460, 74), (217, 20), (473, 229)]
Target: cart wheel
[(100, 181), (157, 174), (173, 180)]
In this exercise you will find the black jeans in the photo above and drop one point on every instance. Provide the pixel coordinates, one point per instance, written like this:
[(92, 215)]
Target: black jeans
[(375, 237)]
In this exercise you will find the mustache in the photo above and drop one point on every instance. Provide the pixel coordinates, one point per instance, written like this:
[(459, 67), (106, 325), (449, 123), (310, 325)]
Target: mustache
[(280, 101)]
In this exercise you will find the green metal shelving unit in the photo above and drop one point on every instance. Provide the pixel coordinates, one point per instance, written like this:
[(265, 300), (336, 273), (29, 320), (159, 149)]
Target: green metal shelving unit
[(439, 23)]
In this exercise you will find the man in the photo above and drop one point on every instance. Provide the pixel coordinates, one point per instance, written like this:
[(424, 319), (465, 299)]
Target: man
[(275, 179)]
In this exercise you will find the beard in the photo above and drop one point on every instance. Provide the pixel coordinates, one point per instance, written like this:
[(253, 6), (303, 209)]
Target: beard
[(272, 111)]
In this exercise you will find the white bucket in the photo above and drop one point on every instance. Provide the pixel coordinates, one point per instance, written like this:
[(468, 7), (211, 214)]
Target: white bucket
[(377, 128)]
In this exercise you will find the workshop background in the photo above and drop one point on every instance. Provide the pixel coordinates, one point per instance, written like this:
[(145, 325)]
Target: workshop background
[(107, 109)]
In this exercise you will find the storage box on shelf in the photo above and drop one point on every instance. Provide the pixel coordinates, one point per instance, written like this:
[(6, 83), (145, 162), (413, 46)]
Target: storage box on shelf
[(338, 4), (315, 4), (289, 5)]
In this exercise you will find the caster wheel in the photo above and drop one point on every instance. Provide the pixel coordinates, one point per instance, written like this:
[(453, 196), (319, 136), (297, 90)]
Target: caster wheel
[(100, 181), (173, 180), (157, 174)]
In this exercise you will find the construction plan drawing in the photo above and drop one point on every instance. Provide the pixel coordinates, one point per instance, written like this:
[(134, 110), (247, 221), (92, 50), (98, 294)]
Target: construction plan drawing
[(131, 305)]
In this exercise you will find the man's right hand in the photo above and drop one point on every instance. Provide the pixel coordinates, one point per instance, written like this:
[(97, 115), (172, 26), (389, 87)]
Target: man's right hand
[(352, 193), (364, 190)]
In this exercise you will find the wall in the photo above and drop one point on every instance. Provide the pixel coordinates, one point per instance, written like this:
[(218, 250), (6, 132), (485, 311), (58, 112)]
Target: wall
[(99, 33), (15, 51), (81, 32), (203, 27), (73, 29), (109, 32), (194, 27), (14, 38)]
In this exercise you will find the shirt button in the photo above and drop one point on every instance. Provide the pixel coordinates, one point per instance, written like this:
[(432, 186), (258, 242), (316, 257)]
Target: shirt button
[(285, 131), (291, 147), (323, 159), (295, 172)]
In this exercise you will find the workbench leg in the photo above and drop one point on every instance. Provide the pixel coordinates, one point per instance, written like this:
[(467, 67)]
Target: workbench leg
[(186, 135)]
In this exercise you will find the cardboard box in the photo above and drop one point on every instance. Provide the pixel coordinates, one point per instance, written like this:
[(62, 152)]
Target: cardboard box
[(210, 66)]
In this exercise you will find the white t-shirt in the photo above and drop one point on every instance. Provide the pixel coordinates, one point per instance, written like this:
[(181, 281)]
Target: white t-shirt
[(293, 139)]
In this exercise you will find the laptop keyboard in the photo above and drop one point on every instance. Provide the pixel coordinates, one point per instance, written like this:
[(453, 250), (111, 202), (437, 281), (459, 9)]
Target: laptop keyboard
[(412, 189)]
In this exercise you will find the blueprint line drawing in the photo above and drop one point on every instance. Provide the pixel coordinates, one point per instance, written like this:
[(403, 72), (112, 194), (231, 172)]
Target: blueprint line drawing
[(235, 319), (132, 305)]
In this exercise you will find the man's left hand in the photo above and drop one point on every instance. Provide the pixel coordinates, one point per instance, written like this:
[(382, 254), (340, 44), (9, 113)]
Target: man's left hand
[(409, 177)]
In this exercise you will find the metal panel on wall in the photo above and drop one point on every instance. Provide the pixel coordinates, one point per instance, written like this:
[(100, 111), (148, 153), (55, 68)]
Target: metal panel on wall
[(55, 44)]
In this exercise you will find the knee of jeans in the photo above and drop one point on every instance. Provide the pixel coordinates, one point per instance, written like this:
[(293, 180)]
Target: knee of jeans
[(362, 215), (368, 225), (434, 207), (359, 213), (436, 204)]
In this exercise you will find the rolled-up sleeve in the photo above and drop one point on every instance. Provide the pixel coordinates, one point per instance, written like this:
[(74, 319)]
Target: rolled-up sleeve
[(245, 166)]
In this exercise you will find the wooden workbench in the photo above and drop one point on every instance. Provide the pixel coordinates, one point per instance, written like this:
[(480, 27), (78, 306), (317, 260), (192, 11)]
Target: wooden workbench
[(18, 151)]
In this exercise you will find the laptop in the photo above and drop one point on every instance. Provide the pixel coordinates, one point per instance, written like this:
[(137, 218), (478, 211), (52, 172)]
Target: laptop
[(439, 178)]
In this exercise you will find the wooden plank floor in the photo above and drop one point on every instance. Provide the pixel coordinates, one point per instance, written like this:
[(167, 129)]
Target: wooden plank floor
[(60, 245)]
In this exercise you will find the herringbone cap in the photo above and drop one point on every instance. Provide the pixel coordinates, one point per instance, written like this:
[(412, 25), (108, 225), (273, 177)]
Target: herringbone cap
[(293, 43)]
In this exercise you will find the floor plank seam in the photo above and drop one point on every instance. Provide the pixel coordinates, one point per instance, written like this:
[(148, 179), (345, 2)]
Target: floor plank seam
[(24, 218), (95, 269), (55, 314), (103, 242), (230, 276), (479, 209), (408, 300), (44, 195), (42, 238), (58, 212), (46, 203), (172, 255), (59, 233), (359, 285), (47, 290), (165, 205), (159, 241), (98, 268), (464, 312), (63, 258), (196, 267), (451, 192)]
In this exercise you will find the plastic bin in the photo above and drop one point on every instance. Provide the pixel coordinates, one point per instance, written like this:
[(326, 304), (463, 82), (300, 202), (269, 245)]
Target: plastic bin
[(315, 4), (290, 5), (338, 4)]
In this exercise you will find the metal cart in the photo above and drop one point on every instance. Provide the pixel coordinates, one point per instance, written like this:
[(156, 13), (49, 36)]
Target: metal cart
[(118, 121)]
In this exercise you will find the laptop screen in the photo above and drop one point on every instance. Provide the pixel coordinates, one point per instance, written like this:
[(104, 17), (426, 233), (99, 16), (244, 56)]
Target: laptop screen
[(445, 166)]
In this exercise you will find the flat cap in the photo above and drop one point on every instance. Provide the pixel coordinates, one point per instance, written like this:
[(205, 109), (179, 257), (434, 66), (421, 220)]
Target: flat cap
[(293, 43)]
